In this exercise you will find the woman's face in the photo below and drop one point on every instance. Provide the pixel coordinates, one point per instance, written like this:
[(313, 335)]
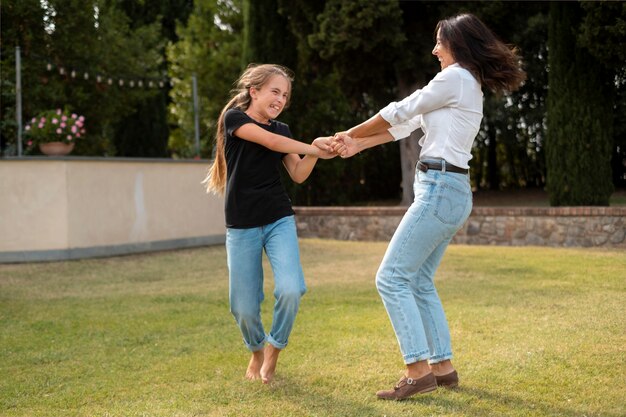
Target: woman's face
[(268, 101), (442, 52)]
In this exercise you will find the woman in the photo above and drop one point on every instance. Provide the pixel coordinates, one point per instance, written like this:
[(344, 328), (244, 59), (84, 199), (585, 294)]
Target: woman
[(250, 148), (449, 110)]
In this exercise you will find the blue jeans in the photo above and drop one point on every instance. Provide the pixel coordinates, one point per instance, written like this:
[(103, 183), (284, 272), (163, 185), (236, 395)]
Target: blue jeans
[(405, 278), (244, 248)]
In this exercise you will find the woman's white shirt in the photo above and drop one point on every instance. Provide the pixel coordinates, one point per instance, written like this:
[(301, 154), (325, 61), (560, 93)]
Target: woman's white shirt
[(449, 110)]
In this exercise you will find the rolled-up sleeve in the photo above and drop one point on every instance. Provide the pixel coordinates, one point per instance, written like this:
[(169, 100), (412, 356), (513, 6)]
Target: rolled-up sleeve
[(404, 130), (441, 91)]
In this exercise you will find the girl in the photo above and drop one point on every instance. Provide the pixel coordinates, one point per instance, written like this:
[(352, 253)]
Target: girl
[(250, 147), (449, 110)]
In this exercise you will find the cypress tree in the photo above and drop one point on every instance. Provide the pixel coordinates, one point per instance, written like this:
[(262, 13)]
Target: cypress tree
[(580, 116), (266, 39)]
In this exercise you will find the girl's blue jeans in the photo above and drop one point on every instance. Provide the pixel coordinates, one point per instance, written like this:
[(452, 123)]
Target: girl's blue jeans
[(244, 248), (405, 278)]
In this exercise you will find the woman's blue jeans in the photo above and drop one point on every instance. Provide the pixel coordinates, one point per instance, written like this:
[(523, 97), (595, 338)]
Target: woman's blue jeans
[(405, 278), (244, 248)]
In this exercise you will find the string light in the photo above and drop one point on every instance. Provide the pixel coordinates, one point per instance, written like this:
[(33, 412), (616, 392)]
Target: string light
[(120, 81)]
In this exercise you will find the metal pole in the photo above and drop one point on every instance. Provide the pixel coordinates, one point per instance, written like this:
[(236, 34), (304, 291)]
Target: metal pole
[(196, 115), (18, 99)]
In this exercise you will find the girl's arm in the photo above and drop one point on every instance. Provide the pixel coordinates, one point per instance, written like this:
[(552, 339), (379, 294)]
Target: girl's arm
[(274, 142), (298, 168)]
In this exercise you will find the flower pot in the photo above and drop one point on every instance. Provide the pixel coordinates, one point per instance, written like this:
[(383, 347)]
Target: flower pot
[(56, 148)]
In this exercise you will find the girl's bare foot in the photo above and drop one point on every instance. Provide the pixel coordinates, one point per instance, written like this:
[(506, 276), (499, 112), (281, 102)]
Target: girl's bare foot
[(269, 364), (254, 367)]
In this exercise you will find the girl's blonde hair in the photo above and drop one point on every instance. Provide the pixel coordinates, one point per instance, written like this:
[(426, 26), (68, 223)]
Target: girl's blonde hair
[(254, 76)]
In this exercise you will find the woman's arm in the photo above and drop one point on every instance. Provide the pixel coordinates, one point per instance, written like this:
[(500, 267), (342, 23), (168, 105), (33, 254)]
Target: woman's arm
[(372, 126), (299, 169), (274, 142)]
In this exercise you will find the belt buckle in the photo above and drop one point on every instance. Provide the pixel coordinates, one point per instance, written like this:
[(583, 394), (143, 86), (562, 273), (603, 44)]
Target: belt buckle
[(422, 166)]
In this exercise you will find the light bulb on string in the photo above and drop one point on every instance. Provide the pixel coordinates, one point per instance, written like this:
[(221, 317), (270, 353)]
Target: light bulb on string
[(110, 81), (49, 67), (131, 83), (86, 76), (98, 78), (62, 71), (121, 82), (73, 74)]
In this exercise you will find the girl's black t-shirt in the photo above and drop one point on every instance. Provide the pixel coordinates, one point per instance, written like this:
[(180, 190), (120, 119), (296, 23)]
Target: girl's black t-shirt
[(255, 195)]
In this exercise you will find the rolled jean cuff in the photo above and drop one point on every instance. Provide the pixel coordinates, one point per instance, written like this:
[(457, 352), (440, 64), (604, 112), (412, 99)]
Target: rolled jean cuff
[(415, 357), (257, 346), (439, 358), (274, 343)]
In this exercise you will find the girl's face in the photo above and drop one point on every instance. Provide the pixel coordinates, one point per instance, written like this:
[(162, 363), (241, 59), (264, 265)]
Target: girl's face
[(270, 100), (443, 53)]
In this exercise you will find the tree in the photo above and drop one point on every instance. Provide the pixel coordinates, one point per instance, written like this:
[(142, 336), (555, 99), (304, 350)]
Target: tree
[(209, 46), (145, 131), (603, 31), (580, 115), (354, 35)]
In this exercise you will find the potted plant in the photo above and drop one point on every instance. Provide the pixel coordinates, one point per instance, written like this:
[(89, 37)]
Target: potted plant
[(54, 131)]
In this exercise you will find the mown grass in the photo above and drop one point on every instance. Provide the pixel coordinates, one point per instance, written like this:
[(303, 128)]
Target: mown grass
[(536, 332)]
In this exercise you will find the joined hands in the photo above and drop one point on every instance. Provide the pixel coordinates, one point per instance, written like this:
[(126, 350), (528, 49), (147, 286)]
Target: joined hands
[(340, 144)]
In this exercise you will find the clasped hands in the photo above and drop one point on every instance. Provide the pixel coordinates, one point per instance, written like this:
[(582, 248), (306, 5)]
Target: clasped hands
[(341, 144)]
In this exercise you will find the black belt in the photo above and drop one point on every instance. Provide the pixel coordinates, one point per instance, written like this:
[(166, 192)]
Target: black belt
[(425, 166)]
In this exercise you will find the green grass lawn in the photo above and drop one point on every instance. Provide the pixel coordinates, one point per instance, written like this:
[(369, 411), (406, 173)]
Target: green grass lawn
[(536, 332)]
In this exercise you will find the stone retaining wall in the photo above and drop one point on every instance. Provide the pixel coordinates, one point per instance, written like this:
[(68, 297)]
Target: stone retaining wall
[(508, 226)]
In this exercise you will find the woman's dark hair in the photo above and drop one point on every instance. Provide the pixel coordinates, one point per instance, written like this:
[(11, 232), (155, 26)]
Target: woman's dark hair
[(475, 47)]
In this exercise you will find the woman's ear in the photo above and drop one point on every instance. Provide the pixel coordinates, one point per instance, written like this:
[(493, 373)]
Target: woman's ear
[(253, 93)]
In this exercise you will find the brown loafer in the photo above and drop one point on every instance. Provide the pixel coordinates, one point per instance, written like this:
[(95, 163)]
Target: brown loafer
[(450, 380), (407, 387)]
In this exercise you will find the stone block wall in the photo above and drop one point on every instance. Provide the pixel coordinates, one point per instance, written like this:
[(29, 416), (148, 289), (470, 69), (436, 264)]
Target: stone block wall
[(507, 226)]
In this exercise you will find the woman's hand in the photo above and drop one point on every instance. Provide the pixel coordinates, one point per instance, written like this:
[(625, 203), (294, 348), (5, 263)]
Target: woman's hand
[(344, 145)]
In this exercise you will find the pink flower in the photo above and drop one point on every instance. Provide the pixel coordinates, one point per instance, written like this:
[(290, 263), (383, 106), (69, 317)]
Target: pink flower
[(59, 111), (40, 125), (69, 137), (59, 131), (81, 119), (55, 121), (63, 124), (77, 135), (74, 116), (42, 120), (34, 120), (74, 129), (64, 117), (27, 127), (29, 143)]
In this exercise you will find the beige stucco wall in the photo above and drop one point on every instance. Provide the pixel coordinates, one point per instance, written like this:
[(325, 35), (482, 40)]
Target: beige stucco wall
[(68, 203)]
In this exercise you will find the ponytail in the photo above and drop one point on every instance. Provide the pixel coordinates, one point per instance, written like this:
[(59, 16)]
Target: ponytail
[(216, 176)]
